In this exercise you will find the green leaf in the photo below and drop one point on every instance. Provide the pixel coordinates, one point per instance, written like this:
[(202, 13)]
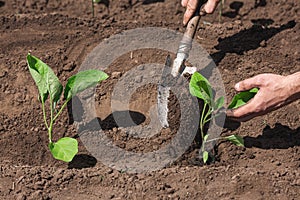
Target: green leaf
[(83, 80), (45, 79), (219, 103), (242, 98), (96, 1), (200, 87), (235, 139), (64, 149), (205, 156)]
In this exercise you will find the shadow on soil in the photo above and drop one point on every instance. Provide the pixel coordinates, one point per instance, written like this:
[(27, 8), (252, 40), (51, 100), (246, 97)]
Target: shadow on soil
[(145, 2), (105, 3), (82, 161), (249, 39), (235, 6), (109, 122), (260, 3), (279, 137), (123, 120)]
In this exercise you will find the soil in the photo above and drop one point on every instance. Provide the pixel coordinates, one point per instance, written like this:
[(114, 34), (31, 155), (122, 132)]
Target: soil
[(252, 37)]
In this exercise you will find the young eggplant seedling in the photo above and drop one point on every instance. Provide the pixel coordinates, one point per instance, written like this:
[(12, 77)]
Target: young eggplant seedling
[(201, 88), (50, 87)]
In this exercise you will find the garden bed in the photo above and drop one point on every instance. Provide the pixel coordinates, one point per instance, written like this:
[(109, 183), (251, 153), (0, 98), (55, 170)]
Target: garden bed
[(251, 39)]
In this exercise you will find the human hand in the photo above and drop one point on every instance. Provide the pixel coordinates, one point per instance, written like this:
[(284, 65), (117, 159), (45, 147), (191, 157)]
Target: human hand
[(274, 92), (191, 6)]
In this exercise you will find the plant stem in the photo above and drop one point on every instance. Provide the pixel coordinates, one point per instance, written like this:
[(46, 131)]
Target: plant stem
[(204, 120), (201, 120), (60, 110), (207, 120), (215, 139), (207, 115), (50, 132), (51, 120), (44, 114)]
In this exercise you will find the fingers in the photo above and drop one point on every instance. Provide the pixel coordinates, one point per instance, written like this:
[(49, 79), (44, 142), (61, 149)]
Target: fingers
[(184, 3), (247, 84), (271, 95), (255, 107), (211, 6), (243, 113), (252, 107), (191, 6)]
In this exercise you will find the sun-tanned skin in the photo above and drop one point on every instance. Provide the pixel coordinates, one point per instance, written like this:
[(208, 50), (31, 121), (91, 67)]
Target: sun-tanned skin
[(275, 90), (191, 6)]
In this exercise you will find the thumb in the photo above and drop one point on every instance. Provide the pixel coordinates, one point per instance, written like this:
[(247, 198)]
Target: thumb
[(210, 6), (184, 3), (247, 84)]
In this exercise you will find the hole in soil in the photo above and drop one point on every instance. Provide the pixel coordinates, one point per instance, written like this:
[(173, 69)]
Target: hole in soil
[(2, 3), (141, 104), (110, 122), (142, 100)]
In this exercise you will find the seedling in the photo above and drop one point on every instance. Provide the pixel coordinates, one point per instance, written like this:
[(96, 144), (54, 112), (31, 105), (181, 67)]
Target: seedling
[(201, 88), (49, 86)]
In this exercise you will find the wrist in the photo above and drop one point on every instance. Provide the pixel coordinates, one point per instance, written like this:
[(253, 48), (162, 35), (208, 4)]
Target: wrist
[(294, 85)]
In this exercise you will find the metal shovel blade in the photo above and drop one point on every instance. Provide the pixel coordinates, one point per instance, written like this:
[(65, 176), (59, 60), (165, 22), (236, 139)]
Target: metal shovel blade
[(163, 93), (175, 69), (171, 72)]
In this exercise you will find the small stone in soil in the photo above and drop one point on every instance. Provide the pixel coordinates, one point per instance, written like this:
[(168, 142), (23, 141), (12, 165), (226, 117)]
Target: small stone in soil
[(2, 73), (263, 43), (115, 75), (141, 67), (69, 67), (138, 79)]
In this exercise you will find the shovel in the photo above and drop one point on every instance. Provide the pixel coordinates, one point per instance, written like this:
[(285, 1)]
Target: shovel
[(177, 66)]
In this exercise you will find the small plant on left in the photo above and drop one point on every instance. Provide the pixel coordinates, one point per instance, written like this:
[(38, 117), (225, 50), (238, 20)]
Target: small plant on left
[(49, 87)]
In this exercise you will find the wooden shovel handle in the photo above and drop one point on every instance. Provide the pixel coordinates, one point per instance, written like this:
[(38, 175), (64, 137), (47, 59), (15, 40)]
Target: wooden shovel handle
[(192, 27)]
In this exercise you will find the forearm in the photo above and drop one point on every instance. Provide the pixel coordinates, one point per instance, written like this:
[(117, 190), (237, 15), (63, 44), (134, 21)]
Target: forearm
[(294, 86)]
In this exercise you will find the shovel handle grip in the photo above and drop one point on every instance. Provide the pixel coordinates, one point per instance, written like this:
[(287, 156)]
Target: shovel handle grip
[(192, 27)]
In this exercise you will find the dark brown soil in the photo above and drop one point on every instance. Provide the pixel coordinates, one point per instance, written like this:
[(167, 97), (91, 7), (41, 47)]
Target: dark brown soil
[(253, 37)]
